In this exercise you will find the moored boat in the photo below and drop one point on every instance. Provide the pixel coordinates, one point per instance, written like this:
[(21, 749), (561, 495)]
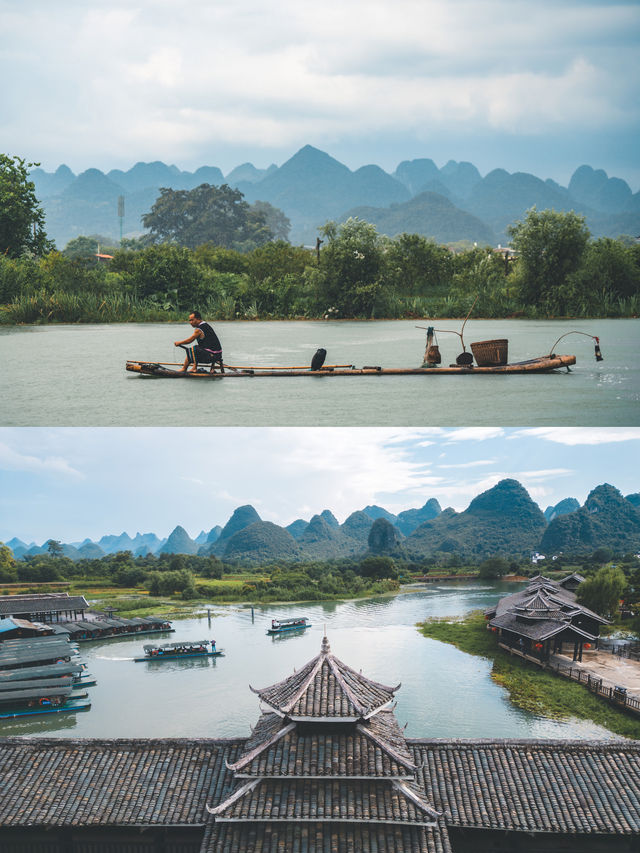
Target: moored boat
[(281, 626), (180, 650), (68, 706), (31, 700)]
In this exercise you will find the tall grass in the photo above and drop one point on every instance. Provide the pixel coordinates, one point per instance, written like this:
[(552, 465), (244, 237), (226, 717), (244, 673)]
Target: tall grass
[(529, 687), (116, 306), (88, 307)]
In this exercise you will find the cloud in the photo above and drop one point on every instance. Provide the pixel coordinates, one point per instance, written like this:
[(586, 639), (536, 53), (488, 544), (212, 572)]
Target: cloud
[(13, 460), (91, 81), (476, 463), (575, 436), (473, 434)]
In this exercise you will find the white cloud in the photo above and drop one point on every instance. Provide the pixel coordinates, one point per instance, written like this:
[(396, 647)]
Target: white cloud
[(584, 435), (476, 463), (158, 81), (13, 460), (473, 433)]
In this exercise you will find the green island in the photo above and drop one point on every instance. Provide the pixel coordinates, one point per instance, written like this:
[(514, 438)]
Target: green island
[(209, 249), (529, 687)]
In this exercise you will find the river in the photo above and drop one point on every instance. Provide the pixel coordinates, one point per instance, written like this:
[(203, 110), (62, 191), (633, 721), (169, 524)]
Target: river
[(64, 375), (444, 692)]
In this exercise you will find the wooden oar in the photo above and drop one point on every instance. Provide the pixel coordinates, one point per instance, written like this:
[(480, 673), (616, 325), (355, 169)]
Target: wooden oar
[(303, 367), (147, 361)]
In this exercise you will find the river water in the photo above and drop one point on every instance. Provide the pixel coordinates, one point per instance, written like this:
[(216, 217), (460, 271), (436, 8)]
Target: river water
[(75, 376), (444, 692)]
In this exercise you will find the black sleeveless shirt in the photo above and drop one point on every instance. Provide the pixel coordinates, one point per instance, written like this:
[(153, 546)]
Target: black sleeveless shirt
[(210, 341)]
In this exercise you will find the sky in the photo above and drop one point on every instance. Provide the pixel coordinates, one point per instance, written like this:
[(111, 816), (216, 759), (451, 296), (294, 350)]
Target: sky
[(540, 87), (74, 483)]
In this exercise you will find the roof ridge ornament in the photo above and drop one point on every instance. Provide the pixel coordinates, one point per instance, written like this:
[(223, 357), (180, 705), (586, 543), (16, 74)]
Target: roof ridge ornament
[(325, 648)]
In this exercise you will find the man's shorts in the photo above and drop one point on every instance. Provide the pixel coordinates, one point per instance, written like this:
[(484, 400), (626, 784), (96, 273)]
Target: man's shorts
[(204, 356)]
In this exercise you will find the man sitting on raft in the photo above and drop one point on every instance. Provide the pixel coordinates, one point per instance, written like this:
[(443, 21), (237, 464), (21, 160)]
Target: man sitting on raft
[(208, 349)]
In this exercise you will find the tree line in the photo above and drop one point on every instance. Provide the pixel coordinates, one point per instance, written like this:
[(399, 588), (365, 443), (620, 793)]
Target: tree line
[(208, 248), (609, 579)]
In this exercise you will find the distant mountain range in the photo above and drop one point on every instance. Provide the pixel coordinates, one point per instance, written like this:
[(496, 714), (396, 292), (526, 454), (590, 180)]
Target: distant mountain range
[(503, 520), (448, 204)]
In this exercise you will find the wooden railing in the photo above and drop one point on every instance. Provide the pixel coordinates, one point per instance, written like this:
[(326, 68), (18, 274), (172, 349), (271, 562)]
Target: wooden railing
[(596, 685)]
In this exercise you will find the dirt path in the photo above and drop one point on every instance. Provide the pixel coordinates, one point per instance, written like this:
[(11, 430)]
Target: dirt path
[(613, 670)]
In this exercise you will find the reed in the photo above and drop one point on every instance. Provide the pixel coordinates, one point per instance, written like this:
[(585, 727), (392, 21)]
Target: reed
[(529, 687)]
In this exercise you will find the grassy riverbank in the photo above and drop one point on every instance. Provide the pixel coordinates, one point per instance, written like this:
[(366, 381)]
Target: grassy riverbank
[(530, 688)]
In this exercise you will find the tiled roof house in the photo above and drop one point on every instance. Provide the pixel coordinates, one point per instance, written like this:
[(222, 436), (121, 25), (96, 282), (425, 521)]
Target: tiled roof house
[(326, 769), (539, 619)]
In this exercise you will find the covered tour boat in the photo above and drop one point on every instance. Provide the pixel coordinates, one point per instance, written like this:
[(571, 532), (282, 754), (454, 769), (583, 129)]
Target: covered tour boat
[(29, 701), (281, 626), (180, 650)]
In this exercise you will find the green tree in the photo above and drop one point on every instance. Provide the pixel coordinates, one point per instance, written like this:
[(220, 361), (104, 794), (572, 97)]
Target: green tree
[(378, 567), (349, 278), (608, 267), (54, 548), (601, 592), (8, 571), (278, 224), (206, 214), (550, 246), (415, 266), (82, 248), (493, 567), (21, 217), (167, 272)]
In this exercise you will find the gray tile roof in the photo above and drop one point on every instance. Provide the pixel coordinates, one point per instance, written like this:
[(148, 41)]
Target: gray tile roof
[(325, 687), (521, 785), (539, 629), (16, 605), (534, 786), (58, 782), (374, 801), (278, 748), (323, 837)]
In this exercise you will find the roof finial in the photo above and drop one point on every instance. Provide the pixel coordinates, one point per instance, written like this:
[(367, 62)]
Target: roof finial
[(325, 648)]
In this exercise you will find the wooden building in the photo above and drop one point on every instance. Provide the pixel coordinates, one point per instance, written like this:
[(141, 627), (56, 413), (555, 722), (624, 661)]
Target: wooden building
[(543, 618), (47, 607), (326, 769)]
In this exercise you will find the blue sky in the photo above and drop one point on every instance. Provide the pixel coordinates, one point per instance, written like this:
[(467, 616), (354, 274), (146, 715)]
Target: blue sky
[(72, 483), (539, 87)]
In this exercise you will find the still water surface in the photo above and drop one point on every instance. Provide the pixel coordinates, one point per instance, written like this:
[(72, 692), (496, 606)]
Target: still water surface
[(444, 692), (75, 376)]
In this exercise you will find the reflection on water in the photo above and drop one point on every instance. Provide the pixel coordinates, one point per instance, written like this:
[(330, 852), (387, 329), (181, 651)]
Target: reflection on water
[(175, 665), (593, 394), (444, 693)]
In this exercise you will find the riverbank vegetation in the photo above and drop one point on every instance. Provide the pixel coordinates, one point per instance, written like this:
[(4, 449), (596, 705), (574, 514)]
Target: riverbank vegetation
[(201, 578), (529, 687), (553, 269)]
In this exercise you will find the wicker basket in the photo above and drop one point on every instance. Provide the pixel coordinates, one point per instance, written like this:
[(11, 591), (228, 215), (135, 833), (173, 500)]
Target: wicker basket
[(491, 353)]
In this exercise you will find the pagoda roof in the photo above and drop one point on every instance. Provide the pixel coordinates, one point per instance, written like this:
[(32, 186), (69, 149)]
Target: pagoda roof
[(538, 629), (375, 748), (344, 801), (326, 688), (544, 599)]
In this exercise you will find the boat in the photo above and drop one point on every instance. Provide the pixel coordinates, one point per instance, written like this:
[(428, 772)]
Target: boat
[(31, 701), (490, 358), (69, 706), (280, 626), (179, 651), (542, 364)]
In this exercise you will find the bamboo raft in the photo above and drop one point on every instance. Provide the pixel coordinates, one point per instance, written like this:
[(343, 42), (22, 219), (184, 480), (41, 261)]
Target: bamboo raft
[(168, 370)]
